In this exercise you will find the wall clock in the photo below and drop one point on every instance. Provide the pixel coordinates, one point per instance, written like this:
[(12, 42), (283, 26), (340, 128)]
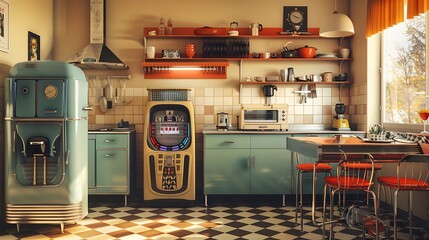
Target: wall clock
[(295, 19)]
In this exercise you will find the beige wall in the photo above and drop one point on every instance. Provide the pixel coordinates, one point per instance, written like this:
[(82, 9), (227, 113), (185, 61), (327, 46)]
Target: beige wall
[(34, 16)]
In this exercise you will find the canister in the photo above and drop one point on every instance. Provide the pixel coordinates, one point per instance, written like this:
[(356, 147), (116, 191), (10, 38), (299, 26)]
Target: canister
[(327, 76)]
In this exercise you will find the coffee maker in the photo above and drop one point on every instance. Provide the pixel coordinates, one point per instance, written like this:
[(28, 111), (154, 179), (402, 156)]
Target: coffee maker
[(339, 122), (268, 93), (223, 121)]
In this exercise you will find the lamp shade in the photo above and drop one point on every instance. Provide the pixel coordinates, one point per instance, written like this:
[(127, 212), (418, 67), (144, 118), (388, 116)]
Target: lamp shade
[(338, 25)]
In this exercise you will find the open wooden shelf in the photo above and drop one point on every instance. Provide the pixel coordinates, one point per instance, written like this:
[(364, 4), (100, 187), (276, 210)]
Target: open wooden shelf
[(179, 32), (298, 82)]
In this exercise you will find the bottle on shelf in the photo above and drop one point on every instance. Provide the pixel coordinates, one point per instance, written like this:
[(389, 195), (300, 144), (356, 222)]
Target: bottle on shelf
[(161, 28), (169, 27)]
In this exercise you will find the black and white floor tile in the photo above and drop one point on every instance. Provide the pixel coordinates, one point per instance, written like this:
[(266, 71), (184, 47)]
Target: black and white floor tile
[(115, 221)]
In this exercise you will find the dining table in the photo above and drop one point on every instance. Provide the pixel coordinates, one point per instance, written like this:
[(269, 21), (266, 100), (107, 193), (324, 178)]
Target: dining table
[(332, 149)]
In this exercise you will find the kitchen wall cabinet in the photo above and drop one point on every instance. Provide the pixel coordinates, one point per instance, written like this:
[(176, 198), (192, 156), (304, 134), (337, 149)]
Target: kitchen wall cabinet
[(246, 164), (111, 161)]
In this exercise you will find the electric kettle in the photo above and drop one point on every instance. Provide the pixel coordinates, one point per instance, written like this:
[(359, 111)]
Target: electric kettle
[(223, 121), (255, 28)]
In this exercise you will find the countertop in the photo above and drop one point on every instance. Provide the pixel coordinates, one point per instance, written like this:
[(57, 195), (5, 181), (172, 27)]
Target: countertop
[(112, 131), (295, 129)]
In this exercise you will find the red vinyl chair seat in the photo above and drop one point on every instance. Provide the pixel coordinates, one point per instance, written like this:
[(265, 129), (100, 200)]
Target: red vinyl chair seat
[(347, 183), (404, 183), (308, 167)]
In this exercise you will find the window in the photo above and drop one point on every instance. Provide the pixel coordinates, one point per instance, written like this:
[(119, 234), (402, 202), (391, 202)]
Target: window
[(403, 74)]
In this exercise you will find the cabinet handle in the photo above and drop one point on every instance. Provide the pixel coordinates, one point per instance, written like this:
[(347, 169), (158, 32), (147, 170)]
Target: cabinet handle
[(229, 142), (50, 111), (109, 140), (110, 155), (248, 162), (254, 161)]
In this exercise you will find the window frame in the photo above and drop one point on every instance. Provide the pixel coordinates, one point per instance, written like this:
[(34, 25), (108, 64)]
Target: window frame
[(402, 127)]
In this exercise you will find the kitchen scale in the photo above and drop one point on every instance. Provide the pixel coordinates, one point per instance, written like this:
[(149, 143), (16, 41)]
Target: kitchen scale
[(339, 122)]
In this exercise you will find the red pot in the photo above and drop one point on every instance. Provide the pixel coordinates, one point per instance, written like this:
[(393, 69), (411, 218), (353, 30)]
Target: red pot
[(306, 52)]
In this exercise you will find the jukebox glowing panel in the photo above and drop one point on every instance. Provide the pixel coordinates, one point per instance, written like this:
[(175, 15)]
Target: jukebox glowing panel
[(169, 150)]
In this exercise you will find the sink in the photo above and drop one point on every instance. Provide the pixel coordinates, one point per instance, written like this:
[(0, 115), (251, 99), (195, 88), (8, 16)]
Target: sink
[(101, 130)]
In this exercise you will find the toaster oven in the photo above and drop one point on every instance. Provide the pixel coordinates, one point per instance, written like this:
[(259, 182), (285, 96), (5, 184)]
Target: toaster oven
[(264, 117)]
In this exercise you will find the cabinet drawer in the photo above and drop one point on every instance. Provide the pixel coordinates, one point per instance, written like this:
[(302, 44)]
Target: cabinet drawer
[(112, 141), (268, 141), (226, 141)]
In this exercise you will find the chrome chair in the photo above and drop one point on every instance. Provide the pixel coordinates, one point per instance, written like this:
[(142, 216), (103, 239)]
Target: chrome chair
[(365, 168), (349, 179), (302, 168), (412, 174)]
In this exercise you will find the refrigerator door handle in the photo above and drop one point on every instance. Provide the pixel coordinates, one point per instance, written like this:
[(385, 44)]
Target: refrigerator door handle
[(67, 157)]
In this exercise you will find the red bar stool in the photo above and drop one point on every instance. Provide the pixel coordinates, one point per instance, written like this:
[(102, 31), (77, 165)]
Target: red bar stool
[(364, 167), (412, 174), (303, 168), (350, 179)]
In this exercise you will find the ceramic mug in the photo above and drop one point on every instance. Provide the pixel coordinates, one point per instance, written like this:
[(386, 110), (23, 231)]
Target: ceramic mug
[(150, 52), (266, 54), (344, 52)]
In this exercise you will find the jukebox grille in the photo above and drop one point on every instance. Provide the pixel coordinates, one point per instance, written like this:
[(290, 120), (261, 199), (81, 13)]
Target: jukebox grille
[(168, 94)]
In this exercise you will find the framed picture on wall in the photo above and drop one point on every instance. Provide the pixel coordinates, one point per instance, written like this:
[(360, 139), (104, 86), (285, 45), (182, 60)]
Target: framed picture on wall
[(33, 47), (4, 25)]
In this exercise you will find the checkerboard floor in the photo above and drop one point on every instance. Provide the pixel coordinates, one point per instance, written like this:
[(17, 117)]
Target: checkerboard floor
[(115, 221)]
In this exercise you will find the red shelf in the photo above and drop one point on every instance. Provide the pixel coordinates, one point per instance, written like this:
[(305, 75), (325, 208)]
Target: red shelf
[(185, 70)]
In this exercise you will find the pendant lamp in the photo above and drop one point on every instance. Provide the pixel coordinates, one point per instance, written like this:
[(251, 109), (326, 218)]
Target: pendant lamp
[(337, 25)]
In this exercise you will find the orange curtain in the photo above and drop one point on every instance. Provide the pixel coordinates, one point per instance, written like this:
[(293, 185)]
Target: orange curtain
[(382, 14), (416, 7)]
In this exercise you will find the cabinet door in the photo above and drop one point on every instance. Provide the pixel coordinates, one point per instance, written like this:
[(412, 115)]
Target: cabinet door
[(112, 171), (226, 171), (91, 164), (270, 171)]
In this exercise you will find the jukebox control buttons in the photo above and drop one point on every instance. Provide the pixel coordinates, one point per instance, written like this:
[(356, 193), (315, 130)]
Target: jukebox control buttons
[(51, 91)]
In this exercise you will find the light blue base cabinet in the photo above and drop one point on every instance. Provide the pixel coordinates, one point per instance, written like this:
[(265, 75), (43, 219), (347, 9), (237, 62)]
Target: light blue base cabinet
[(246, 164), (111, 159)]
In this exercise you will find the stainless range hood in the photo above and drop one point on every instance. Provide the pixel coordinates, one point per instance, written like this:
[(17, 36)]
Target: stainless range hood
[(96, 55)]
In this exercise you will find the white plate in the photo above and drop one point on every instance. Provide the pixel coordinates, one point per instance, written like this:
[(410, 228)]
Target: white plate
[(402, 140), (377, 141)]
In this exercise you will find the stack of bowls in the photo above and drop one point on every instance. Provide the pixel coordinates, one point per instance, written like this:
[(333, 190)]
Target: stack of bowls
[(190, 50)]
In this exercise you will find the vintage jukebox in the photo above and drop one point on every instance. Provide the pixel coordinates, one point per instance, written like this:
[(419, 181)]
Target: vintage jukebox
[(169, 146)]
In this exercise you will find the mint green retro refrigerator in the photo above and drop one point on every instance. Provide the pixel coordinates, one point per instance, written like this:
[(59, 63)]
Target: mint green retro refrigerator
[(46, 131)]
